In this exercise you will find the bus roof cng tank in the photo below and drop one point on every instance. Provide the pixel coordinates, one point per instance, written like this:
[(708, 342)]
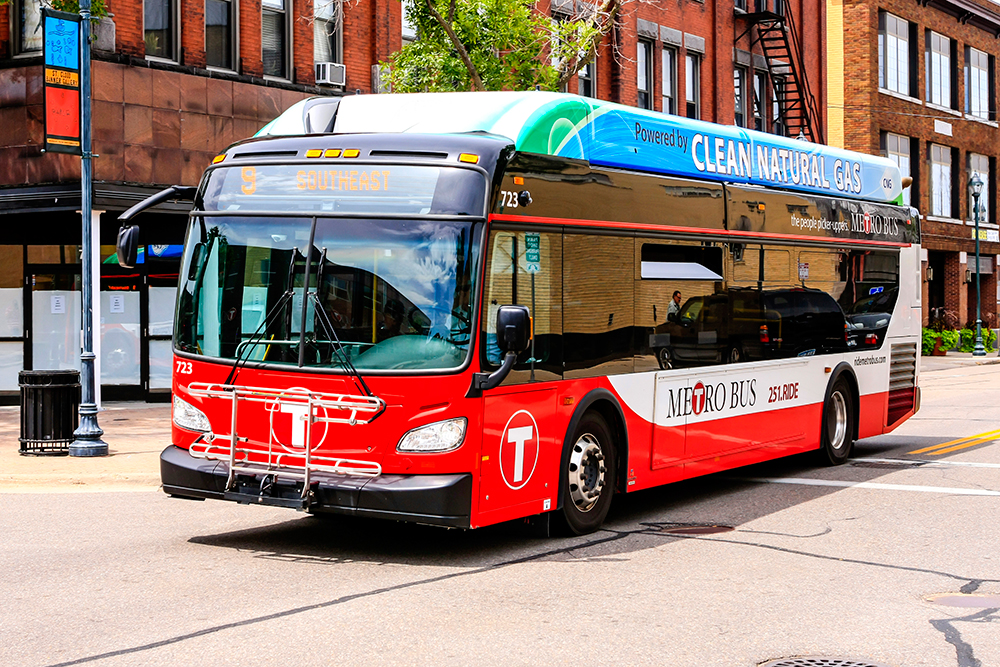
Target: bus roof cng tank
[(608, 134)]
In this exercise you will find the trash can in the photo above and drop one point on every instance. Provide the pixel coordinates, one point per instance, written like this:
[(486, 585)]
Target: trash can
[(50, 411)]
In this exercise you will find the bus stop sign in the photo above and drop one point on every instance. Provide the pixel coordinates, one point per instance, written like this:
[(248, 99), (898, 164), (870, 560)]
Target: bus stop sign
[(62, 82)]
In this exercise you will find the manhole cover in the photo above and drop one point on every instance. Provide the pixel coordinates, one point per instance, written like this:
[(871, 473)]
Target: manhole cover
[(815, 661), (966, 600), (894, 465), (690, 528)]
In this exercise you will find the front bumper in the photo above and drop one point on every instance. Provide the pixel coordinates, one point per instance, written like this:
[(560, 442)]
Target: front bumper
[(441, 500)]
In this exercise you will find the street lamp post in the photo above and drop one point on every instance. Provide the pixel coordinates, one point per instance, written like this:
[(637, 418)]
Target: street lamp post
[(976, 187), (88, 435)]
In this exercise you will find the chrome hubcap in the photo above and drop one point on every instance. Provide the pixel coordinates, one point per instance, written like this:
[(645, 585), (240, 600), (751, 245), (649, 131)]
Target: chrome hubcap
[(586, 472), (837, 426)]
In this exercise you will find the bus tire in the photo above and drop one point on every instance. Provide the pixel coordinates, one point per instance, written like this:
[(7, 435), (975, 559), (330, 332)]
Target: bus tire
[(590, 474), (837, 435)]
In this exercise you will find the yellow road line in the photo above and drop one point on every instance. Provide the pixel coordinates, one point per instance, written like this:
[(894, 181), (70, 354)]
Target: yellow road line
[(968, 441), (968, 444)]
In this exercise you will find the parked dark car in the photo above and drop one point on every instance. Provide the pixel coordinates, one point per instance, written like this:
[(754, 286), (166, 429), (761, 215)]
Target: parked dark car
[(748, 325)]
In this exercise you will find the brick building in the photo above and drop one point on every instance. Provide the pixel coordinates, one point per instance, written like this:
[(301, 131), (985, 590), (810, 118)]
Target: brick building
[(756, 63), (176, 81), (917, 82)]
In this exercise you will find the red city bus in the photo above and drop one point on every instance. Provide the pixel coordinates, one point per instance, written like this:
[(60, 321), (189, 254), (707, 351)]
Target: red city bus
[(463, 309)]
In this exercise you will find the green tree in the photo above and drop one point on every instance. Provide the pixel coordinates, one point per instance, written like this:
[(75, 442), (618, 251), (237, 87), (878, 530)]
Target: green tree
[(496, 45)]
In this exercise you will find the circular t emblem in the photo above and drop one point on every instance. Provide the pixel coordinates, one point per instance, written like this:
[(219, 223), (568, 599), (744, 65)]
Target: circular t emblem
[(518, 449), (868, 223), (698, 398)]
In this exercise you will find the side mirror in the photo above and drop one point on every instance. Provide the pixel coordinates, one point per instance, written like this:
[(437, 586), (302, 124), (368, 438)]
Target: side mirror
[(513, 337), (128, 246), (513, 329)]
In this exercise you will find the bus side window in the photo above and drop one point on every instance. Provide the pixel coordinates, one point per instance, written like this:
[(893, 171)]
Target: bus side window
[(525, 269), (599, 300)]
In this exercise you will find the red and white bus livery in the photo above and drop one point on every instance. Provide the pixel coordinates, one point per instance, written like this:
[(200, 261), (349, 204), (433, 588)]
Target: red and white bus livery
[(463, 309)]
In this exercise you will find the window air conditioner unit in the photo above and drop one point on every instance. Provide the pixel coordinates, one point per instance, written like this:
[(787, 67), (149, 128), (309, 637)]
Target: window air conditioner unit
[(331, 74)]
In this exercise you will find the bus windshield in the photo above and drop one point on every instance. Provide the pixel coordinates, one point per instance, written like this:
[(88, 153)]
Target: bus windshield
[(385, 294)]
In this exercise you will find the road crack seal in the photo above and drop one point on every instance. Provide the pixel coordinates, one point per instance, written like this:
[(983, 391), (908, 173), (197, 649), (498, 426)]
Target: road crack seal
[(963, 650)]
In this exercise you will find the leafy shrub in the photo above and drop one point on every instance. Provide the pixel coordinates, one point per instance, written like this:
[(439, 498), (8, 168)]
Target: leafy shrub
[(969, 339), (949, 339), (927, 341)]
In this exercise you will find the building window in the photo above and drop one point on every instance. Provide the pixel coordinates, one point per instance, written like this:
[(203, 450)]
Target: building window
[(740, 4), (409, 28), (669, 88), (759, 99), (29, 32), (979, 90), (941, 181), (980, 164), (160, 28), (692, 81), (939, 64), (219, 33), (585, 80), (897, 148), (739, 95), (644, 68), (274, 38), (777, 119), (327, 33), (894, 53)]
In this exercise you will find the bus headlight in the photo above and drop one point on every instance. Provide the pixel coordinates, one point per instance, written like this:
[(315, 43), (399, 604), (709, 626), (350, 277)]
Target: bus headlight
[(189, 417), (437, 437)]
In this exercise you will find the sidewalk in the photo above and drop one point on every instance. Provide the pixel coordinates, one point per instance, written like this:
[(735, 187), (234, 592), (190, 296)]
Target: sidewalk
[(956, 360), (136, 433)]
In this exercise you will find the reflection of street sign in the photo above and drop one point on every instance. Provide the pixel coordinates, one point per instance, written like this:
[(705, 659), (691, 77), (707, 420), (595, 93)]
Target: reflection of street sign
[(875, 290), (532, 252), (62, 81), (803, 270)]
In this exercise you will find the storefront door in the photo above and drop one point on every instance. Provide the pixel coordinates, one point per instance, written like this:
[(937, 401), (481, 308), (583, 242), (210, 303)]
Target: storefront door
[(53, 339)]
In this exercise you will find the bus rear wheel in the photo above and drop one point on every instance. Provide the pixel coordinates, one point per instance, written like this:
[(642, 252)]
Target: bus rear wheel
[(589, 476), (837, 436)]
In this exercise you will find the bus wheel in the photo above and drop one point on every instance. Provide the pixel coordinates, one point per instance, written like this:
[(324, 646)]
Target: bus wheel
[(590, 476), (838, 425)]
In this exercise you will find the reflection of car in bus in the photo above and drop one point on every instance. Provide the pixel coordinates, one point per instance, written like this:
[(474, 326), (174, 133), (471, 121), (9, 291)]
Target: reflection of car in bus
[(534, 242), (869, 317), (743, 324)]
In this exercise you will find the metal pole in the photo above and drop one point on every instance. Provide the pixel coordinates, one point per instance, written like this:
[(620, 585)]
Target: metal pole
[(88, 435), (978, 350)]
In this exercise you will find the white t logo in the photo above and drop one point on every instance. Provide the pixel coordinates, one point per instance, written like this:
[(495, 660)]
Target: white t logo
[(519, 436), (298, 412)]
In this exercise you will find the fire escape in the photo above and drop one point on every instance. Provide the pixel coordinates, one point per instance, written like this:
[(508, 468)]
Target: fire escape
[(775, 32)]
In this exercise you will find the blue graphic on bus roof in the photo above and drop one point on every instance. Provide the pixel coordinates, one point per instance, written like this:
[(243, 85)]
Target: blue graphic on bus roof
[(613, 135)]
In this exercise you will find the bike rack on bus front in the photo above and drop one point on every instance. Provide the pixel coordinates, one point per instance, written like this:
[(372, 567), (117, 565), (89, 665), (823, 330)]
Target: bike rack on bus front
[(275, 459)]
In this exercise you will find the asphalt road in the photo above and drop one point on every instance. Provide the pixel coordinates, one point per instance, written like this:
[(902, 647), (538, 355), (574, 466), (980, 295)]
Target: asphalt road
[(834, 562)]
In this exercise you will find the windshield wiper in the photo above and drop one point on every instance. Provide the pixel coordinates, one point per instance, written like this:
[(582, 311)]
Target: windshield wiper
[(276, 310), (331, 331)]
